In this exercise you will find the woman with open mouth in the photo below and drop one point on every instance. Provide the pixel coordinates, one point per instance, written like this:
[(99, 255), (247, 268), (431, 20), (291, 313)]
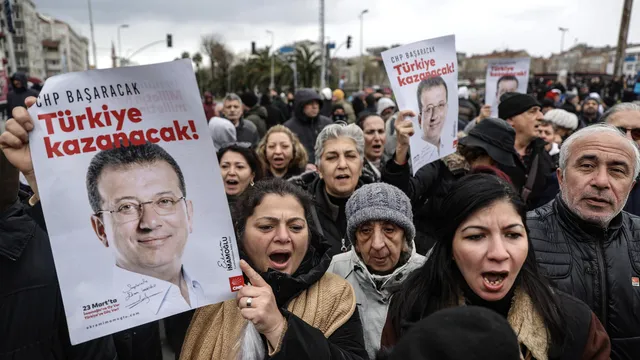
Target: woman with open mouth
[(293, 308), (240, 168), (339, 154), (375, 138), (484, 258), (281, 153)]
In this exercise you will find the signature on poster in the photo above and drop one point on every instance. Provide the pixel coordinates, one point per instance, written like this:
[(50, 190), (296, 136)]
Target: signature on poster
[(138, 291)]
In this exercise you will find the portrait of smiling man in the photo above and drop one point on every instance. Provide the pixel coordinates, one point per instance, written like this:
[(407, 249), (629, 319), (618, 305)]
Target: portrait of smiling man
[(141, 213), (433, 107)]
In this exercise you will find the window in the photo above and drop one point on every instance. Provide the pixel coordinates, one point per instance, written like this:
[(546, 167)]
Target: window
[(20, 47), (19, 31)]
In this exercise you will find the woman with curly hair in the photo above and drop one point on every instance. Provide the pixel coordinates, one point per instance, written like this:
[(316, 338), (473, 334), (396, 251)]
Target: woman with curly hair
[(281, 153)]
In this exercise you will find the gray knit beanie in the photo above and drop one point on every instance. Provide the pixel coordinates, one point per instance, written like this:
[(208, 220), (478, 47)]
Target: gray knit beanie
[(376, 202)]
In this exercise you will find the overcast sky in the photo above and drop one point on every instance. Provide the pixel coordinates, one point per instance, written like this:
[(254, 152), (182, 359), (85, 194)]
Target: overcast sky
[(479, 26)]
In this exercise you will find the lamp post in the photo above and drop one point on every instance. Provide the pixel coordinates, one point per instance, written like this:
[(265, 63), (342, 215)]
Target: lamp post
[(93, 39), (123, 26), (272, 56), (361, 82), (563, 31)]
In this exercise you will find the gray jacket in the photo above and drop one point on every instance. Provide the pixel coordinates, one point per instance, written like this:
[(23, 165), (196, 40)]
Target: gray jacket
[(373, 301)]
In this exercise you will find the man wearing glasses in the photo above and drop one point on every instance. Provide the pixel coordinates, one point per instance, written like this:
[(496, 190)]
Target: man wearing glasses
[(626, 117), (141, 213), (432, 102)]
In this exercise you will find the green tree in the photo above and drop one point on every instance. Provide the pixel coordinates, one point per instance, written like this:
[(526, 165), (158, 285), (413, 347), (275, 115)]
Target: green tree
[(185, 55), (221, 59), (308, 63)]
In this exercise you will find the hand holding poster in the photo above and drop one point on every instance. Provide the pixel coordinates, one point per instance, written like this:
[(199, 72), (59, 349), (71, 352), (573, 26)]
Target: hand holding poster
[(424, 79), (503, 76), (139, 229)]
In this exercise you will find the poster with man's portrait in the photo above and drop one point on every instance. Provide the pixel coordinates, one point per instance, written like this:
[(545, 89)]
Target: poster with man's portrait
[(424, 78), (503, 76), (132, 196)]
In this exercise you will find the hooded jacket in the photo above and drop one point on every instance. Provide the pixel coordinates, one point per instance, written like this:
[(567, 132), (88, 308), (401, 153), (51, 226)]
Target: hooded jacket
[(33, 325), (246, 131), (300, 340), (307, 128), (373, 292), (598, 266), (17, 96)]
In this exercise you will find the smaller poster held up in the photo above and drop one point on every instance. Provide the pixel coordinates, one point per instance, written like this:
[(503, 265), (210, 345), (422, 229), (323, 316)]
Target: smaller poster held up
[(424, 78), (503, 76), (140, 230)]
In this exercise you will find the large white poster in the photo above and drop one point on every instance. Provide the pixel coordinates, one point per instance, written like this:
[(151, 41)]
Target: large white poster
[(132, 196), (503, 76), (424, 78)]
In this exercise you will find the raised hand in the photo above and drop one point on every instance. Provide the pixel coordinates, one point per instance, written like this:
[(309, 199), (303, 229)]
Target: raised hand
[(404, 132), (263, 310)]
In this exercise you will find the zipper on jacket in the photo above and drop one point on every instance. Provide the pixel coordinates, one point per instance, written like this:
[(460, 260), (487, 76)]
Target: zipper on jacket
[(603, 284)]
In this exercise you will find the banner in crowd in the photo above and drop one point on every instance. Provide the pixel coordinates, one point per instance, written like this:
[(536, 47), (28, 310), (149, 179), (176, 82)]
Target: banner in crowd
[(503, 76), (424, 78), (139, 229)]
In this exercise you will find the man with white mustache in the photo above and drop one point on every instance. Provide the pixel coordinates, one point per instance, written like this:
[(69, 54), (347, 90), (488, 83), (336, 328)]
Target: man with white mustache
[(585, 243)]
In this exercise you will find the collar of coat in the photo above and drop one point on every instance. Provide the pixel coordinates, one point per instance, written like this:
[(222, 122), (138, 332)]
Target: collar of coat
[(588, 231), (216, 330), (527, 323), (390, 282)]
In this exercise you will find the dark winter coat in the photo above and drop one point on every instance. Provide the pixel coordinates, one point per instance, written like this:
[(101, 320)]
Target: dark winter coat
[(300, 340), (598, 266), (633, 202), (426, 190), (246, 131), (545, 186), (32, 319), (306, 128), (16, 97), (258, 115), (326, 216), (466, 111)]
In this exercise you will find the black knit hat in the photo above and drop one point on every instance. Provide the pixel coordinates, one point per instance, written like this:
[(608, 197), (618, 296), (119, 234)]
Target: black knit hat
[(512, 104), (249, 98), (464, 332)]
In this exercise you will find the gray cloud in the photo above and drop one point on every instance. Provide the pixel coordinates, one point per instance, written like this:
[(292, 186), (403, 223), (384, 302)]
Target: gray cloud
[(248, 12)]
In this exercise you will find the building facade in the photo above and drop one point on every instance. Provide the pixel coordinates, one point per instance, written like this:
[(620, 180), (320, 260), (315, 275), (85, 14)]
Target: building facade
[(64, 50)]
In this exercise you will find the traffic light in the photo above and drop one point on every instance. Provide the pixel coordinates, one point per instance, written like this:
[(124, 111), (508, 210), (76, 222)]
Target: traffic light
[(169, 40), (253, 48), (349, 42)]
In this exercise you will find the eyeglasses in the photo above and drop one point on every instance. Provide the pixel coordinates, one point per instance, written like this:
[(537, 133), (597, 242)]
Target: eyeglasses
[(132, 211), (635, 132), (438, 109)]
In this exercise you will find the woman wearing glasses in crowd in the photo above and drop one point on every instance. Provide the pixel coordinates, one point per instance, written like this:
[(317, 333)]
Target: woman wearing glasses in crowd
[(240, 169), (484, 258), (281, 153), (293, 308)]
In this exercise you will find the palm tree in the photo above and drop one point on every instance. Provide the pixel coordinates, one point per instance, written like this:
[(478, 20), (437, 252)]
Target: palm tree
[(308, 63), (197, 59)]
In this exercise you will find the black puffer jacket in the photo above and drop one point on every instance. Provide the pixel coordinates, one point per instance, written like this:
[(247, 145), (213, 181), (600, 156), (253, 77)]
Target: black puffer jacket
[(17, 96), (306, 128), (599, 266)]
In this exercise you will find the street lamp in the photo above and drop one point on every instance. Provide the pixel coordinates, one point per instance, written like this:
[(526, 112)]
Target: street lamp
[(361, 82), (563, 31), (123, 26), (272, 83)]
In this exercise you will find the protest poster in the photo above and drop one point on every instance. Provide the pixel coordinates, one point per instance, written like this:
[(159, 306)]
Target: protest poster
[(140, 229), (503, 76), (424, 78)]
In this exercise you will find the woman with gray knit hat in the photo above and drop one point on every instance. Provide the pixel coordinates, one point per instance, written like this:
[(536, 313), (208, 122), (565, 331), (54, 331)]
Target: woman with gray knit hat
[(380, 227)]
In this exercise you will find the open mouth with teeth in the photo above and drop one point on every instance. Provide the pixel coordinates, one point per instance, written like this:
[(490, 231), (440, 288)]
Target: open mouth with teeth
[(377, 147), (494, 279), (343, 177), (232, 182), (279, 259)]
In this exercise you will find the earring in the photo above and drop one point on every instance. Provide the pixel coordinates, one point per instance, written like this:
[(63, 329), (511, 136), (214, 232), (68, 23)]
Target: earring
[(251, 183)]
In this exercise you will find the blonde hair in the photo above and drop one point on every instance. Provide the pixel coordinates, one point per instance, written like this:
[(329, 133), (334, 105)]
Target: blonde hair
[(300, 157)]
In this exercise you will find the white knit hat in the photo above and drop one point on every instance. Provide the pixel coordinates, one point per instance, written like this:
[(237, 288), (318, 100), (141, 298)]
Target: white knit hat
[(562, 118), (385, 103)]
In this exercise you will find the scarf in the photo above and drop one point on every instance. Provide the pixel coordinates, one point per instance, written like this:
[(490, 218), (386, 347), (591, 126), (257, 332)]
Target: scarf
[(215, 329)]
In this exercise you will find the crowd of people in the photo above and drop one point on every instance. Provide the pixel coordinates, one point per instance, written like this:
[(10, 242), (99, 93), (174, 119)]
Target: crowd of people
[(523, 244)]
